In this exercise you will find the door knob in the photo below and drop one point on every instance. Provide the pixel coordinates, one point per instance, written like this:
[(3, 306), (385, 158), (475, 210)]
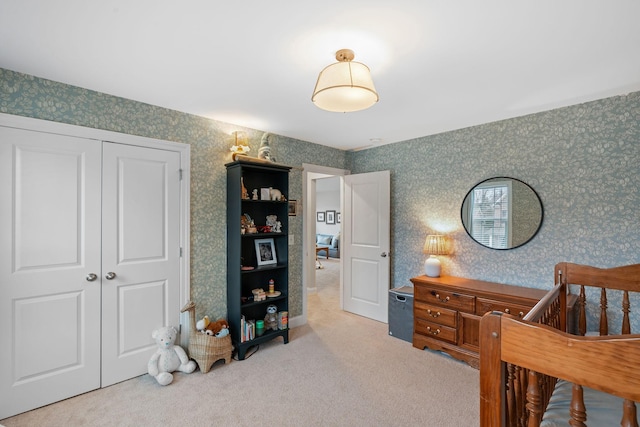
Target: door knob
[(110, 275), (383, 254), (91, 277)]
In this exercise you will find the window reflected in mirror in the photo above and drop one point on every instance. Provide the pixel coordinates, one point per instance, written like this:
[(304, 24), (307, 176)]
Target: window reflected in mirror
[(502, 213)]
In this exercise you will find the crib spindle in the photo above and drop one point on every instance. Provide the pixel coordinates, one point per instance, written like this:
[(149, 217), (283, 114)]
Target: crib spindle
[(521, 395), (629, 417), (533, 400), (582, 306), (604, 321), (626, 308), (577, 410), (511, 395)]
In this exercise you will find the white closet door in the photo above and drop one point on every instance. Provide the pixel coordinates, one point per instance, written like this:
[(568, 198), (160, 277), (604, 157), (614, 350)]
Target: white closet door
[(141, 247), (49, 245)]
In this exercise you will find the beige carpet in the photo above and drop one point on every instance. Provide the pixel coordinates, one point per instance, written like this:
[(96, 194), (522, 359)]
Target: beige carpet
[(338, 370)]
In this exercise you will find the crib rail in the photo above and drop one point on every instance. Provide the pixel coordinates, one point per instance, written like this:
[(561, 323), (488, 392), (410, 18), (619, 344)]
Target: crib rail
[(522, 359)]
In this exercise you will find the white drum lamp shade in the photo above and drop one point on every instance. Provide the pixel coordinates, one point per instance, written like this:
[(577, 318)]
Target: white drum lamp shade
[(434, 245), (345, 86)]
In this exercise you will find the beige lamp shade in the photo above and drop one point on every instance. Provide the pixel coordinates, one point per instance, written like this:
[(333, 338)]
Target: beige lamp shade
[(434, 245), (345, 86)]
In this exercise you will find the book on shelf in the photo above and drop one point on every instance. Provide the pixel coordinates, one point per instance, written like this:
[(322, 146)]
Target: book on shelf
[(247, 329)]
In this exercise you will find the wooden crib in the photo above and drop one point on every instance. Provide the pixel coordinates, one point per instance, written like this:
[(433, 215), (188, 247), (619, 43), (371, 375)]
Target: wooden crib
[(535, 371)]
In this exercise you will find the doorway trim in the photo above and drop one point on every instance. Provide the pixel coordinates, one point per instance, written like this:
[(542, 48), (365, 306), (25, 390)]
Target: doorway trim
[(310, 174)]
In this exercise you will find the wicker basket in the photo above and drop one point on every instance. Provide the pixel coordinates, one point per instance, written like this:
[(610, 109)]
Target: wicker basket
[(206, 349)]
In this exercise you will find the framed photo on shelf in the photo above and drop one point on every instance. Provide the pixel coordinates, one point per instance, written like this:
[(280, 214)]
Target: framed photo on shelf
[(331, 217), (293, 208), (320, 216), (265, 194), (266, 252), (338, 217)]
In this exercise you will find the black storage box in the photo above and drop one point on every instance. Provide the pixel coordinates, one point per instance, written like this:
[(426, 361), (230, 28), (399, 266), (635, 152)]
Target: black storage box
[(401, 313)]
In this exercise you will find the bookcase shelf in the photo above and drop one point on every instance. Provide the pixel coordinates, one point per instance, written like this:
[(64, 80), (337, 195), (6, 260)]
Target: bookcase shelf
[(241, 250)]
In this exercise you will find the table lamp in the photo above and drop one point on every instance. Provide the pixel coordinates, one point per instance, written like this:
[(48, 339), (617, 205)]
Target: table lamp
[(434, 245)]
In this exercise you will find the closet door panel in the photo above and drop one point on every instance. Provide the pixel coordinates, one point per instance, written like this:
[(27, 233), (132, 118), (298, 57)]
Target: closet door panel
[(49, 244), (141, 246)]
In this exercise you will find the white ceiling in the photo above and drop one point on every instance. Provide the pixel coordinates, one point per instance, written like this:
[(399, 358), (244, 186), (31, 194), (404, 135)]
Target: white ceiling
[(437, 65)]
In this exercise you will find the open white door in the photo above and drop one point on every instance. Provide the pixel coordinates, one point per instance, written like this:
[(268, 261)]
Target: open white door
[(366, 239)]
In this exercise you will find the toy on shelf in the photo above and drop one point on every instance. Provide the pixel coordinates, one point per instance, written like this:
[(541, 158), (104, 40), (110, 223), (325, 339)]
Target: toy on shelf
[(271, 318), (259, 294)]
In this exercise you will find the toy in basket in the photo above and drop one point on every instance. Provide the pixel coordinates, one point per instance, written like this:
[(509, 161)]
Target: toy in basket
[(203, 348)]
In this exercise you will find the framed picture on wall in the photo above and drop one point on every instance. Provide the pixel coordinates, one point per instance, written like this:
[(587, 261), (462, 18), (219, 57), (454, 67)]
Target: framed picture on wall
[(331, 217), (338, 217), (320, 216), (266, 252), (293, 207)]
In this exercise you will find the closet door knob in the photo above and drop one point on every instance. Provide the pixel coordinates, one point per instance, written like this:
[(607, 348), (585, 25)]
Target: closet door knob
[(110, 275), (91, 277)]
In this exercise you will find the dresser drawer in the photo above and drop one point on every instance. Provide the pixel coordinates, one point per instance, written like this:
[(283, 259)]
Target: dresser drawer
[(444, 298), (484, 305), (432, 313), (448, 309), (434, 330)]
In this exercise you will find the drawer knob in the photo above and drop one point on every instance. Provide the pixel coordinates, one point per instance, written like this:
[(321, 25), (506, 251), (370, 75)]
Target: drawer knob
[(520, 314), (442, 300), (432, 314), (436, 332)]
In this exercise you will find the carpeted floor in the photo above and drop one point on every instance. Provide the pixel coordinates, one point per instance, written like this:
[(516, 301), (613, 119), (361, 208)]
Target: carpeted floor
[(338, 370)]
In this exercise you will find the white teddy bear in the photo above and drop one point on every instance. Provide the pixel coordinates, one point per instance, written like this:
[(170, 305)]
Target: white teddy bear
[(169, 357)]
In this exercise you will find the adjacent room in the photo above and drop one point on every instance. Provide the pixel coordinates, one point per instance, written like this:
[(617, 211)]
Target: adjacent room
[(318, 214)]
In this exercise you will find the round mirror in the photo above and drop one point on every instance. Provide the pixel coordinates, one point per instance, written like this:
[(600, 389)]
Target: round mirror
[(501, 213)]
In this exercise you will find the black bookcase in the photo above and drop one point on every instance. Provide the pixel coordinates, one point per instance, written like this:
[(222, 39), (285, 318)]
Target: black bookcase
[(241, 249)]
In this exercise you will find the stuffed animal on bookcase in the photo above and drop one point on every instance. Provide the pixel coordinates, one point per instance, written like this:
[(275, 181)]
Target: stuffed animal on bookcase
[(271, 318)]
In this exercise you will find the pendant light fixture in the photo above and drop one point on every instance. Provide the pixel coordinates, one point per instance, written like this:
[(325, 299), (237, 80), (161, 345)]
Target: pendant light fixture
[(345, 86)]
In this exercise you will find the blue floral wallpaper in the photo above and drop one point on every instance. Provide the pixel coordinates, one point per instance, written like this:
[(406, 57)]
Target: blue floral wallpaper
[(583, 162), (210, 141)]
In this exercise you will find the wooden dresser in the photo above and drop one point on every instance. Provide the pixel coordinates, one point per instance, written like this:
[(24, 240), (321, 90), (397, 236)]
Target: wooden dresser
[(447, 312)]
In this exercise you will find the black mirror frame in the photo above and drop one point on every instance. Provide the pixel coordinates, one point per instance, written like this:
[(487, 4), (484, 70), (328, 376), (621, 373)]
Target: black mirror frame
[(513, 179)]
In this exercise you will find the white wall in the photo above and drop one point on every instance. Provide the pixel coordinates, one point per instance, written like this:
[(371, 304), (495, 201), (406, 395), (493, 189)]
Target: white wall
[(328, 198)]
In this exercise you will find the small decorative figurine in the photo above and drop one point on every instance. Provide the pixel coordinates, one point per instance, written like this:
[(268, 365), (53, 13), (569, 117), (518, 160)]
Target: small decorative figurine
[(264, 152), (254, 194), (278, 227), (271, 220), (245, 193), (276, 195), (271, 318)]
